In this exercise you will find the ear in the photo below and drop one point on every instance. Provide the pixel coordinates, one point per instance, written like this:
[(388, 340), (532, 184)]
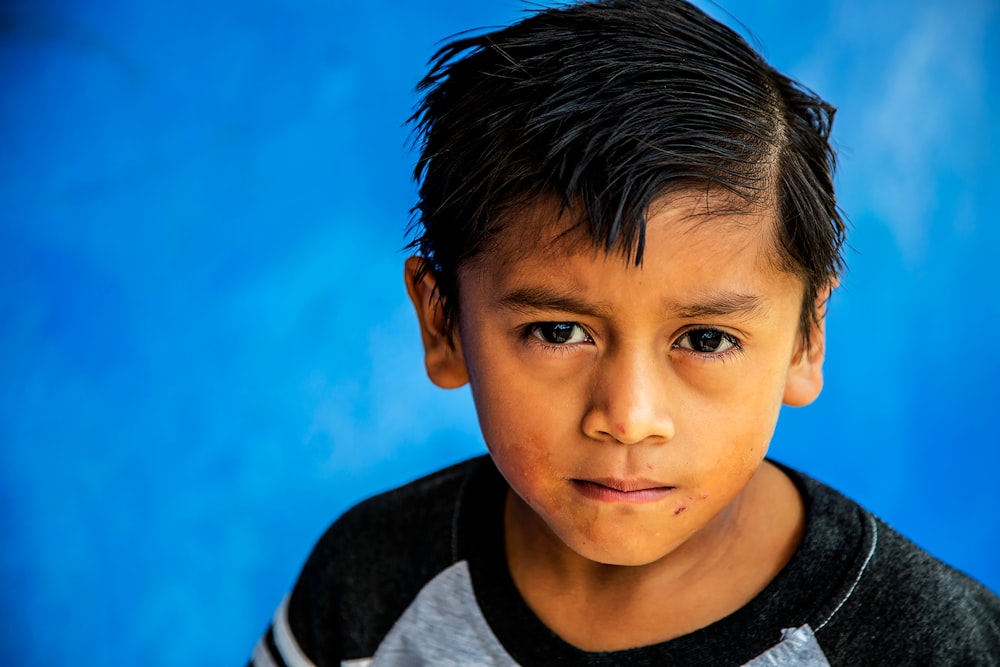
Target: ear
[(442, 353), (805, 375)]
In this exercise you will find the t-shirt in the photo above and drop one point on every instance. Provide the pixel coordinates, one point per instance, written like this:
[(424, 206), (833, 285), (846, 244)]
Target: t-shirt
[(418, 576)]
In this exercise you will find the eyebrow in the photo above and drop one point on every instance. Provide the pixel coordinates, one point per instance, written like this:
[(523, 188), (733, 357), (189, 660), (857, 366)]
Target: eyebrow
[(724, 303), (528, 299)]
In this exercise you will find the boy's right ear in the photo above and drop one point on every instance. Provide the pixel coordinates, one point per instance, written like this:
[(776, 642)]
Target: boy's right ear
[(442, 353)]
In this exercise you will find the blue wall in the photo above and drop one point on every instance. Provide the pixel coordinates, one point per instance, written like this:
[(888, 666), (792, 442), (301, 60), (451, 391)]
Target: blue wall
[(205, 349)]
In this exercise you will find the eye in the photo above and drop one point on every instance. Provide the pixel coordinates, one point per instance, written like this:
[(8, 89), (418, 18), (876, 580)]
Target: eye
[(559, 333), (707, 341)]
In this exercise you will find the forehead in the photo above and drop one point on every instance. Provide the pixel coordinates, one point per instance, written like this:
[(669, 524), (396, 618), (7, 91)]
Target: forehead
[(704, 221)]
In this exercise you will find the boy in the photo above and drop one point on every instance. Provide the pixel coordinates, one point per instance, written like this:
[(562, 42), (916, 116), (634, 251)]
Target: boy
[(627, 235)]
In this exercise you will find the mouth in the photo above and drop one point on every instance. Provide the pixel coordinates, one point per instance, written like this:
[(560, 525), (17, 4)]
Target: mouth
[(622, 490)]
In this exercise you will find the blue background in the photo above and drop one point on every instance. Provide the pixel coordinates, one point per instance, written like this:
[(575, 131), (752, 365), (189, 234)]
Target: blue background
[(205, 349)]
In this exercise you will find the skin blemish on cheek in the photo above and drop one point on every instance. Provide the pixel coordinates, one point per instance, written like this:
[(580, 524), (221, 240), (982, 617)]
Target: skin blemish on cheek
[(680, 509), (704, 496)]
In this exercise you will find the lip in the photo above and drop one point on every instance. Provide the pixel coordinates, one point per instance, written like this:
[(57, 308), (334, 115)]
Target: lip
[(622, 490)]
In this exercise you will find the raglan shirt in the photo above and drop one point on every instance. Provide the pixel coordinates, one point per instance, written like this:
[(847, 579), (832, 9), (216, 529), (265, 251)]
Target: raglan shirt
[(417, 576)]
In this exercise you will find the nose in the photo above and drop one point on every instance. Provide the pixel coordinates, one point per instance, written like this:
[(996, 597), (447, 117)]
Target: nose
[(629, 400)]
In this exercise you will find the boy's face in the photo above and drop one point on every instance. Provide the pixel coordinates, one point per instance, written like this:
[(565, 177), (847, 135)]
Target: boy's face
[(628, 407)]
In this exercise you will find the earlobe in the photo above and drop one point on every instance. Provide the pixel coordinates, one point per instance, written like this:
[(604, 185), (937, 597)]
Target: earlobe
[(443, 357), (805, 375)]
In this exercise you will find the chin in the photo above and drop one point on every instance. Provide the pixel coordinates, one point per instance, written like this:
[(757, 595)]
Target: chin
[(619, 553)]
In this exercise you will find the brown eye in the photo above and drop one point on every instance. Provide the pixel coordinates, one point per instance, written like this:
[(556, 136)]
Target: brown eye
[(559, 333), (707, 341)]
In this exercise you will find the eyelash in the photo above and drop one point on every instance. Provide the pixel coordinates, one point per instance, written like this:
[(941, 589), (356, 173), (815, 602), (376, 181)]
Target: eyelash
[(533, 334)]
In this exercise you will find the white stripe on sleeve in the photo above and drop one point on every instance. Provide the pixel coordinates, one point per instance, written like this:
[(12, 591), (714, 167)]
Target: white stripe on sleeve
[(285, 641)]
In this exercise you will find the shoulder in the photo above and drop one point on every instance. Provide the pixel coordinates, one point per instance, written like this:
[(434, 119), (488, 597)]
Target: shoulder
[(902, 605), (927, 611), (404, 512), (372, 562)]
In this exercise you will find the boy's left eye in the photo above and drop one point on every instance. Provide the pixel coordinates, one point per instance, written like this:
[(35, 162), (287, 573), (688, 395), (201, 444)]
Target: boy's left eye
[(707, 341), (559, 333)]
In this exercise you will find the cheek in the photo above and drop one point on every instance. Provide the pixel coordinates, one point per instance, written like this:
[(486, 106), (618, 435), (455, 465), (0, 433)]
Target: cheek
[(521, 430), (753, 405), (733, 442), (505, 414), (523, 460)]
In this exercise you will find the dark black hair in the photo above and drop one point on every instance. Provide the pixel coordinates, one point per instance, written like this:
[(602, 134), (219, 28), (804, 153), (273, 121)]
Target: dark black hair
[(608, 105)]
